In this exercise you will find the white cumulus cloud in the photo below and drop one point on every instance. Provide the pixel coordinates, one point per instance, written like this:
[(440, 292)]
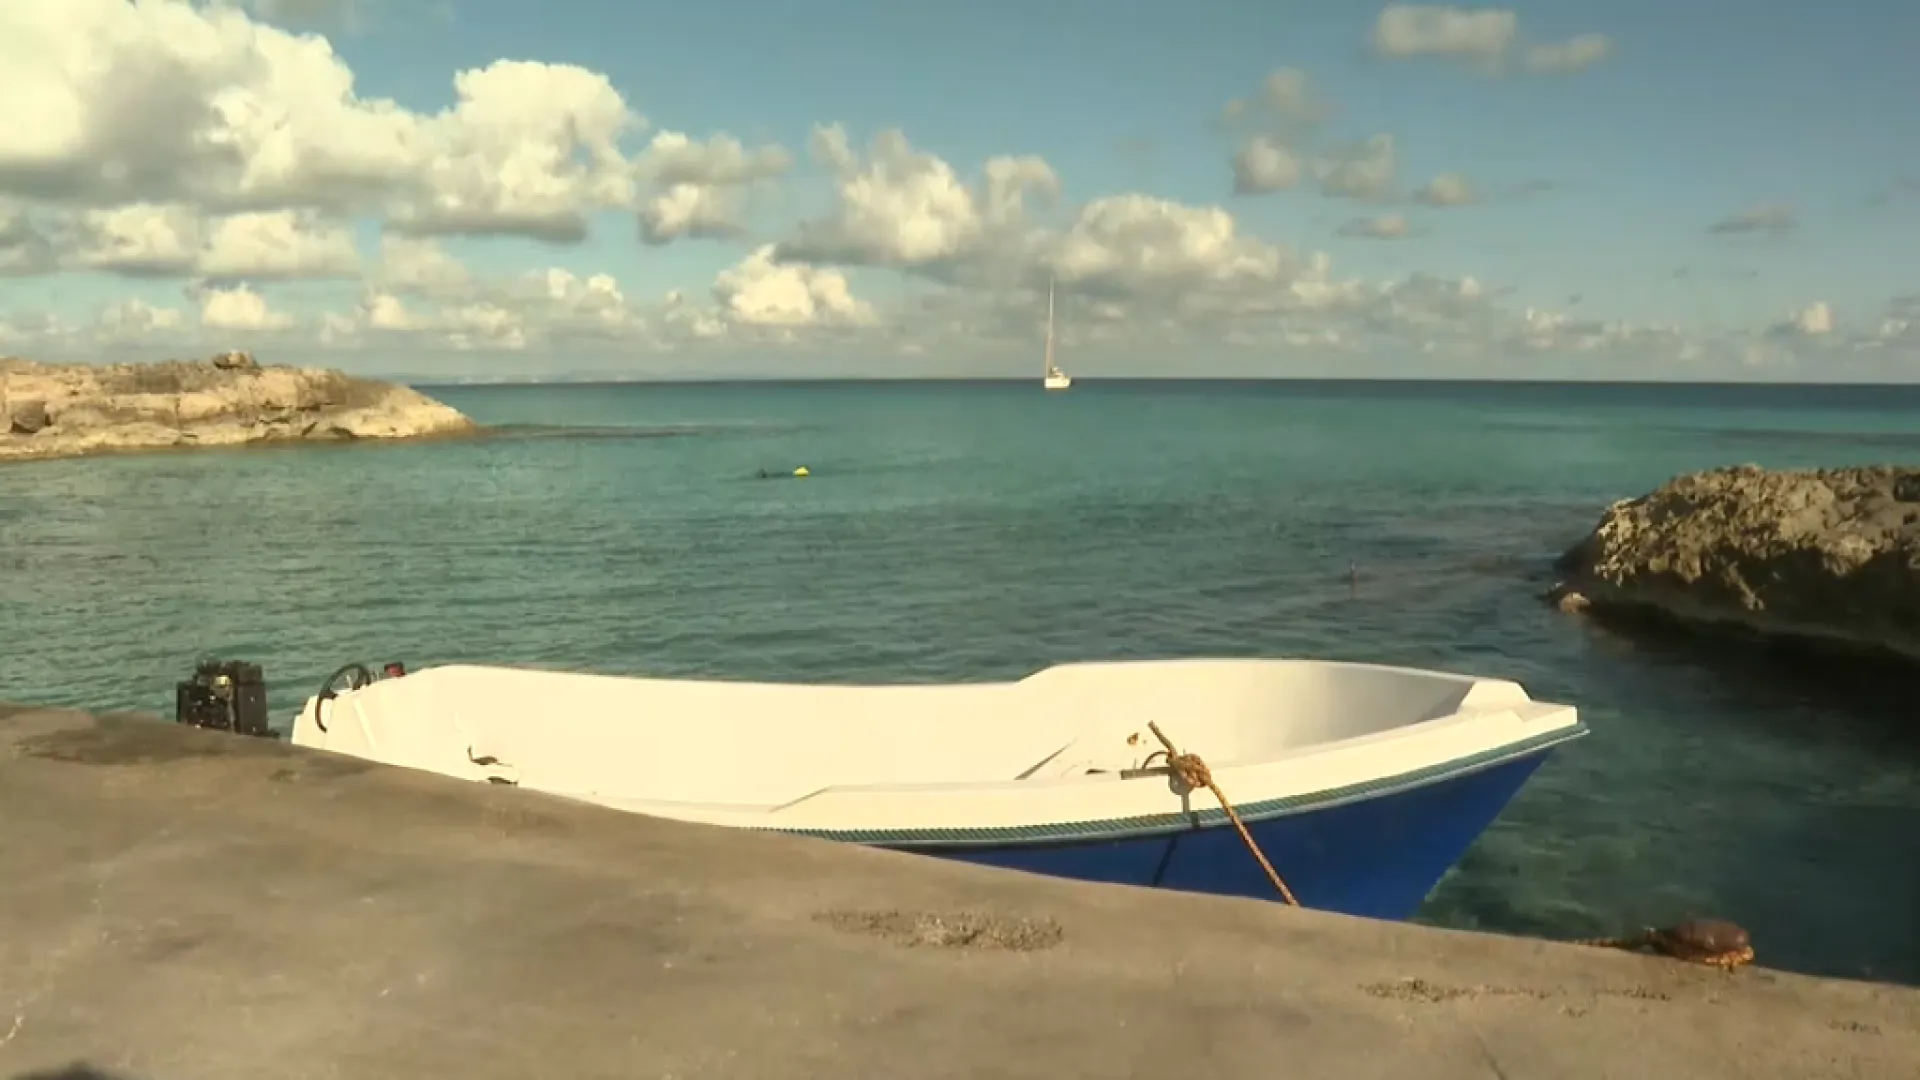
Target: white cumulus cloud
[(114, 102), (761, 292), (240, 309), (905, 207), (1487, 39), (697, 184)]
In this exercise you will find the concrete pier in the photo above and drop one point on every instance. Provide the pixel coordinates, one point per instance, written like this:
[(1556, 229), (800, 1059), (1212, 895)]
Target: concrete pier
[(184, 905)]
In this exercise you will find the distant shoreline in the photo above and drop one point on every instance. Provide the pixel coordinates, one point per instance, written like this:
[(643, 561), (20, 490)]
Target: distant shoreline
[(54, 411)]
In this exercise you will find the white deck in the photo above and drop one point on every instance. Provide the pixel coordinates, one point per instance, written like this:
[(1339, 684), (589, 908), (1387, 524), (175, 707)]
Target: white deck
[(1046, 749)]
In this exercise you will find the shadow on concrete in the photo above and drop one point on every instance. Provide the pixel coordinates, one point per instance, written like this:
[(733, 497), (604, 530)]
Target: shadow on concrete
[(79, 1070)]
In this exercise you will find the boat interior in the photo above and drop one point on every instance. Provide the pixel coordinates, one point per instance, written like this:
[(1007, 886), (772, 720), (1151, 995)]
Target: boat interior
[(768, 744)]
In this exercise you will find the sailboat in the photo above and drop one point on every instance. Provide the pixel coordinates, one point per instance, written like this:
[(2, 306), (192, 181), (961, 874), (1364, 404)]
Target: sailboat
[(1054, 378)]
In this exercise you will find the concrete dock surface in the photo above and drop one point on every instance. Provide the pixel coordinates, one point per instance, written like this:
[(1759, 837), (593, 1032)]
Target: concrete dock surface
[(179, 904)]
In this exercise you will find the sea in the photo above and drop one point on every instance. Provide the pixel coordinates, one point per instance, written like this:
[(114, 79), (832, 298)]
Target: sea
[(984, 530)]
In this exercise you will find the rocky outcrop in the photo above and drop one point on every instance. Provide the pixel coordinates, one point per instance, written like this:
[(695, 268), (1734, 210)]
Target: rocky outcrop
[(59, 410), (1829, 556)]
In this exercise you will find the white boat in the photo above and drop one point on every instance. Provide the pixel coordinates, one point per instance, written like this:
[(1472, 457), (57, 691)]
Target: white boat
[(1361, 783), (1052, 378)]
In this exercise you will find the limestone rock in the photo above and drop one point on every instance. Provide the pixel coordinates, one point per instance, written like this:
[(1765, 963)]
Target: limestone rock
[(27, 417), (1829, 555), (1568, 601), (61, 410)]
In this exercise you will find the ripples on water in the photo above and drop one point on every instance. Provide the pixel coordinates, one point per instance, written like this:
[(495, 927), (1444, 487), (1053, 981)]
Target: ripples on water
[(982, 531)]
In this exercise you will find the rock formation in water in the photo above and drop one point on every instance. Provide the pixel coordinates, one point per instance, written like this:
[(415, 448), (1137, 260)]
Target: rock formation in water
[(59, 410), (1829, 556)]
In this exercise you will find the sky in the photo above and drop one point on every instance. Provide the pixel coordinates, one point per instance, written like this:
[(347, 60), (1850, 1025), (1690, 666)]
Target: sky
[(1680, 190)]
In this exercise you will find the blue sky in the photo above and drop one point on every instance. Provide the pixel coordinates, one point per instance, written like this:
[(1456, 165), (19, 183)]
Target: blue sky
[(1708, 107), (1599, 186)]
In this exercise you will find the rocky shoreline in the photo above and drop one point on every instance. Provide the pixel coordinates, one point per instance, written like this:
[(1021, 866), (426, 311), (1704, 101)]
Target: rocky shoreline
[(1819, 557), (66, 410)]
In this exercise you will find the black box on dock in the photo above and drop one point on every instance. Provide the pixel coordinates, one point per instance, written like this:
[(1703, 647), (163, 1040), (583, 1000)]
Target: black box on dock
[(228, 695)]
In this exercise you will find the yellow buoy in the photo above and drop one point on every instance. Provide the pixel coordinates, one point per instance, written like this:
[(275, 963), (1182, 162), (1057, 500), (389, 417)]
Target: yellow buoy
[(802, 471)]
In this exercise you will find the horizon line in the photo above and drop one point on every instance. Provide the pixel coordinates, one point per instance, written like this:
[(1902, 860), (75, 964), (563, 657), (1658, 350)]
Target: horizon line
[(1401, 380)]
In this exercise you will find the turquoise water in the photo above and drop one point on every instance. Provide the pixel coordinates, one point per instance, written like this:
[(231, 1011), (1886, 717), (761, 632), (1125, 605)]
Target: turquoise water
[(973, 531)]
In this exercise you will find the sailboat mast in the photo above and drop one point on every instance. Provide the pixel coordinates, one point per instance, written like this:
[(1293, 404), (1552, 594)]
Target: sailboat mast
[(1048, 370)]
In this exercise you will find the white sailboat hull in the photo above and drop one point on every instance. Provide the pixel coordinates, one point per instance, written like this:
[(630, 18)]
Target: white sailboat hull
[(1057, 381)]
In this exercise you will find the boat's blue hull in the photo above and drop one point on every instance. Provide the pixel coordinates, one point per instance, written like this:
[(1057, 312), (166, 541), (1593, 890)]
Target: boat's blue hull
[(1371, 853)]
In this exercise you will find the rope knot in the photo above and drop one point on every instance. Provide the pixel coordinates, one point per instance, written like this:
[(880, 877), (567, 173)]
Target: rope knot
[(1192, 772)]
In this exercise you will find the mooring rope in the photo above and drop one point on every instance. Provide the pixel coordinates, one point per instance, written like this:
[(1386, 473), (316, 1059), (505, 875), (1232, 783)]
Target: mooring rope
[(1194, 775)]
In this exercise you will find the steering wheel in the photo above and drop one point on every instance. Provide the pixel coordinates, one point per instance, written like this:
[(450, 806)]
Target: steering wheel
[(360, 677)]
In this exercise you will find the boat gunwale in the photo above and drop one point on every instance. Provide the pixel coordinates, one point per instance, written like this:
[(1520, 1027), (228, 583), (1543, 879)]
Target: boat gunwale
[(709, 682)]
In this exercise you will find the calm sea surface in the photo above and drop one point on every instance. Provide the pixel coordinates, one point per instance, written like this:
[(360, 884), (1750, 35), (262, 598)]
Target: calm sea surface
[(973, 531)]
